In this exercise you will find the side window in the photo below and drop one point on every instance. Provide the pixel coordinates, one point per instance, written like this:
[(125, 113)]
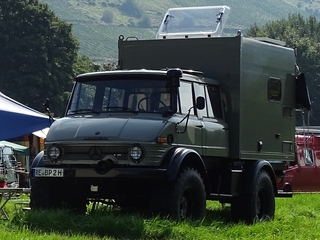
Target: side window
[(186, 97), (215, 101), (274, 90), (209, 105), (199, 92), (308, 156)]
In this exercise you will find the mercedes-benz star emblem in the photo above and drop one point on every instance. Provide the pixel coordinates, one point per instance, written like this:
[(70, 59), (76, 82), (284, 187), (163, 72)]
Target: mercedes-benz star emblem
[(95, 153)]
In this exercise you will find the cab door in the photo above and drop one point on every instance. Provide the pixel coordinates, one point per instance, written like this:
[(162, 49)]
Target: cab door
[(215, 129), (189, 128)]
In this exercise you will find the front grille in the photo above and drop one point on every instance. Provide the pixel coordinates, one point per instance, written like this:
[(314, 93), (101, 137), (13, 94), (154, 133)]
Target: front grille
[(92, 154), (83, 152)]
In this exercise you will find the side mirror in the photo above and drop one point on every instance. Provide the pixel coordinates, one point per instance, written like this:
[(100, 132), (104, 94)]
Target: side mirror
[(46, 104), (200, 103)]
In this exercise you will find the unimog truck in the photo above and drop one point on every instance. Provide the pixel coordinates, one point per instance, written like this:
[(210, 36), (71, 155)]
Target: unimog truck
[(188, 117)]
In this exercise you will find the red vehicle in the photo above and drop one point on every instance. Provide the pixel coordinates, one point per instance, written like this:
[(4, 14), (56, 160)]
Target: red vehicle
[(303, 175)]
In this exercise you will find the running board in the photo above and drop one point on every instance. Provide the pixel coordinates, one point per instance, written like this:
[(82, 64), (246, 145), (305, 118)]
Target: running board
[(220, 197)]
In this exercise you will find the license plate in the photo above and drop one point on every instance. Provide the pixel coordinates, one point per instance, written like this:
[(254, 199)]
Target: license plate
[(48, 172)]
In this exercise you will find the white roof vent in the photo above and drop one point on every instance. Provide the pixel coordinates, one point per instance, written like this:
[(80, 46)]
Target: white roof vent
[(192, 22)]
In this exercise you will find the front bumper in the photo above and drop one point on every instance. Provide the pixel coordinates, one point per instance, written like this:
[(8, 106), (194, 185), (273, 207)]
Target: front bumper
[(115, 173)]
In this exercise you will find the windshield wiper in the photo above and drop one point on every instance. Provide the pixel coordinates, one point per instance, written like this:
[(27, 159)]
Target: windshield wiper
[(85, 110), (121, 108)]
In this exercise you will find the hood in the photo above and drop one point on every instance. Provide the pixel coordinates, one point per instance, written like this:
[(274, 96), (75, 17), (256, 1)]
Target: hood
[(111, 128)]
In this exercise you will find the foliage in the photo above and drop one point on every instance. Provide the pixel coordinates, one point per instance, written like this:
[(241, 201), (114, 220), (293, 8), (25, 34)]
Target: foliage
[(303, 34), (130, 8), (98, 67), (99, 41), (37, 54), (83, 64), (108, 16), (145, 22), (3, 178)]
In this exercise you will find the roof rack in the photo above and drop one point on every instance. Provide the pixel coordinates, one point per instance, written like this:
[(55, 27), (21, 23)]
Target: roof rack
[(187, 71), (271, 40), (192, 72)]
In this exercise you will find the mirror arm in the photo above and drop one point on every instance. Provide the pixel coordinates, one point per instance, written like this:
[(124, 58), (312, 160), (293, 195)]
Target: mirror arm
[(185, 127)]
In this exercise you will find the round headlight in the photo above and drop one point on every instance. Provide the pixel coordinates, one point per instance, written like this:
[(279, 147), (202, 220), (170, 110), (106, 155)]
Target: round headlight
[(54, 153), (136, 153)]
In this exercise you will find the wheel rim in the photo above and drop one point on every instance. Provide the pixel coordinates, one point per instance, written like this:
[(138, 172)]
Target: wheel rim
[(186, 204)]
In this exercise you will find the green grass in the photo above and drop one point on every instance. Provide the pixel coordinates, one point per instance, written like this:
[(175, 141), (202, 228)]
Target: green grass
[(296, 218)]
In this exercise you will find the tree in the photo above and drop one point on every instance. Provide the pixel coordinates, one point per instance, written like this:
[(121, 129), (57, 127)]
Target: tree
[(145, 22), (108, 16), (83, 64), (37, 53), (303, 34), (106, 66), (130, 8)]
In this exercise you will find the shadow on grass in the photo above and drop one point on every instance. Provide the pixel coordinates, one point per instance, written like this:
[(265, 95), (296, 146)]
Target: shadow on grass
[(221, 215), (111, 223), (100, 224)]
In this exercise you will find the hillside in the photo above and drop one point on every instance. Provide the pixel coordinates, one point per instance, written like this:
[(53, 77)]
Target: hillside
[(97, 24)]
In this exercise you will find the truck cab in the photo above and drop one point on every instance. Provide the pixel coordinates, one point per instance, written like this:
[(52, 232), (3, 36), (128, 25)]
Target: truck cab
[(303, 174)]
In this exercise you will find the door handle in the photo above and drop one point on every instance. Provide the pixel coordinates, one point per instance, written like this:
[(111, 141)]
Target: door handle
[(199, 126)]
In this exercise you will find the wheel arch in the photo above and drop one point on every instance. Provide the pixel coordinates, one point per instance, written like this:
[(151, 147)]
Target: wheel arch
[(38, 160), (183, 157), (254, 170)]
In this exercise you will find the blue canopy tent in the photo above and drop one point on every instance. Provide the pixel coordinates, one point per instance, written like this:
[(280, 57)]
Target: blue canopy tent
[(17, 119)]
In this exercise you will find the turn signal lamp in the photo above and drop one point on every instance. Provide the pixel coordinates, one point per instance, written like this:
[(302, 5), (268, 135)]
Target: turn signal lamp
[(168, 139), (162, 140)]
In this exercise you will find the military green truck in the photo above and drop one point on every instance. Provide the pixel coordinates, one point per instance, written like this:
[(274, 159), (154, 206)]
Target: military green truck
[(186, 118)]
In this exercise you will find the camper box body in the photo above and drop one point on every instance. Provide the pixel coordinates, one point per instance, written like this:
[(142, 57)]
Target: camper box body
[(257, 86)]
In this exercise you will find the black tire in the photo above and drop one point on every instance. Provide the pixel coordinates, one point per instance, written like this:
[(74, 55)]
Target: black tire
[(257, 206), (44, 194), (49, 194), (74, 201), (182, 199)]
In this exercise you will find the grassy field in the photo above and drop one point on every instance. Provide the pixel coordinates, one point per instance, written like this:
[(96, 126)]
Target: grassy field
[(296, 218)]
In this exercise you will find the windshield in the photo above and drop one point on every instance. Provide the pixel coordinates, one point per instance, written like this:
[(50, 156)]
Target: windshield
[(125, 95)]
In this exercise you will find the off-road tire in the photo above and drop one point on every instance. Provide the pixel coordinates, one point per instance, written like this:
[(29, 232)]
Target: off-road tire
[(257, 206), (184, 198), (44, 194), (49, 194), (74, 201)]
